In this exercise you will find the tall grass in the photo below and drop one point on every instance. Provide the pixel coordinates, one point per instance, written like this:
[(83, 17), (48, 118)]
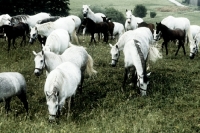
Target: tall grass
[(172, 103)]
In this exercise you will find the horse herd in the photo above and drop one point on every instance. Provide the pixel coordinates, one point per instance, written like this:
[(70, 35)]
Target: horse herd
[(66, 63)]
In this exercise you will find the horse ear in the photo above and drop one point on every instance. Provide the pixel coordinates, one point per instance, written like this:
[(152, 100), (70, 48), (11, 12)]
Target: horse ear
[(111, 45), (34, 53)]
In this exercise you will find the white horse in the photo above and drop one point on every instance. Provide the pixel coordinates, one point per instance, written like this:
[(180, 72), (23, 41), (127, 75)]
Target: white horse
[(195, 31), (57, 41), (118, 30), (142, 37), (131, 21), (61, 83), (75, 54), (45, 29), (31, 20), (5, 19), (88, 13)]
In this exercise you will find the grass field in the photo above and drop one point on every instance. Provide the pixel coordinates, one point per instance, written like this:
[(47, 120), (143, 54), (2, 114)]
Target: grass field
[(172, 103)]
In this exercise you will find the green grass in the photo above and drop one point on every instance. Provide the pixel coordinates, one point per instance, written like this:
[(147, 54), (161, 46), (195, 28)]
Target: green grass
[(172, 103)]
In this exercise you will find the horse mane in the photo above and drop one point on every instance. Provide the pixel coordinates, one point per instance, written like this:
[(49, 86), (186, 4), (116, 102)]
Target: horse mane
[(51, 19), (19, 18)]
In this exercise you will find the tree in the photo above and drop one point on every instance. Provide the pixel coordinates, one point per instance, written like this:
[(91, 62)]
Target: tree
[(30, 7), (140, 11)]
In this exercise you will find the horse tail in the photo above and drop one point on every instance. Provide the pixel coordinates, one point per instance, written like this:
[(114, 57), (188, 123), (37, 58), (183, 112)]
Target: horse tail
[(89, 67), (74, 36), (154, 53)]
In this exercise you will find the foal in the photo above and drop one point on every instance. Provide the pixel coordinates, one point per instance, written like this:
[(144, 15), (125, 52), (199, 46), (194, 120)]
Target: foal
[(171, 35), (12, 32), (101, 27)]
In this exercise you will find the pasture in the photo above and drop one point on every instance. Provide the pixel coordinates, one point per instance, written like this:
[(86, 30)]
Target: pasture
[(172, 103)]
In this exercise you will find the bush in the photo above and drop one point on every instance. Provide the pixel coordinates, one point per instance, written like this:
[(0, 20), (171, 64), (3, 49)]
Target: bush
[(152, 14), (115, 15), (140, 11)]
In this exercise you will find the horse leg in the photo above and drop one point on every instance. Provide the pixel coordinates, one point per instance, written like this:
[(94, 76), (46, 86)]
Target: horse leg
[(166, 47), (125, 78), (22, 41), (183, 46), (7, 105), (9, 41), (14, 43), (23, 99)]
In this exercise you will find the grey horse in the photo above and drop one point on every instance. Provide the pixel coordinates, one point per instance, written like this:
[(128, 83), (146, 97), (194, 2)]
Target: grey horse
[(12, 84)]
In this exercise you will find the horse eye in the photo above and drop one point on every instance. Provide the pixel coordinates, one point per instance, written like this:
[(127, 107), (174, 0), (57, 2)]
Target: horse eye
[(41, 61), (116, 54)]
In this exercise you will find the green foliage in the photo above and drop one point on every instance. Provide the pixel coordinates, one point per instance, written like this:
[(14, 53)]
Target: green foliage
[(152, 14), (17, 7), (140, 11), (116, 15)]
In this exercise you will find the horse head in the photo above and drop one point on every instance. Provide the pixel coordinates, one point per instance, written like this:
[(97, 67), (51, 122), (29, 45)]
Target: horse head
[(86, 8), (33, 34), (52, 103), (128, 15), (5, 20), (156, 37), (115, 53), (193, 49), (39, 63), (194, 46)]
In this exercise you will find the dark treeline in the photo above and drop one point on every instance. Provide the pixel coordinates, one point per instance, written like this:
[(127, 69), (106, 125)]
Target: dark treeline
[(31, 7)]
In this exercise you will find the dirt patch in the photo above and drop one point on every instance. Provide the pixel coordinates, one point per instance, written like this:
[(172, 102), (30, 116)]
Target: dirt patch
[(172, 9)]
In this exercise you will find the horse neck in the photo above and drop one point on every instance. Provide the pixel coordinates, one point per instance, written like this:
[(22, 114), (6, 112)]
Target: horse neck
[(91, 15), (51, 61)]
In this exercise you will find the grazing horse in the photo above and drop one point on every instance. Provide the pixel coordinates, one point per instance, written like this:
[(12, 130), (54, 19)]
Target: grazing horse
[(66, 23), (31, 20), (131, 21), (171, 35), (148, 25), (101, 27), (143, 38), (88, 13), (12, 84), (195, 31), (136, 45), (61, 83), (75, 54), (12, 32), (57, 41)]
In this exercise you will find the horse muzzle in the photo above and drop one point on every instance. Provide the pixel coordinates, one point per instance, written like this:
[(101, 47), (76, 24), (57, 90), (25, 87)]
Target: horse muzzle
[(52, 118), (31, 40), (192, 56), (37, 72)]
